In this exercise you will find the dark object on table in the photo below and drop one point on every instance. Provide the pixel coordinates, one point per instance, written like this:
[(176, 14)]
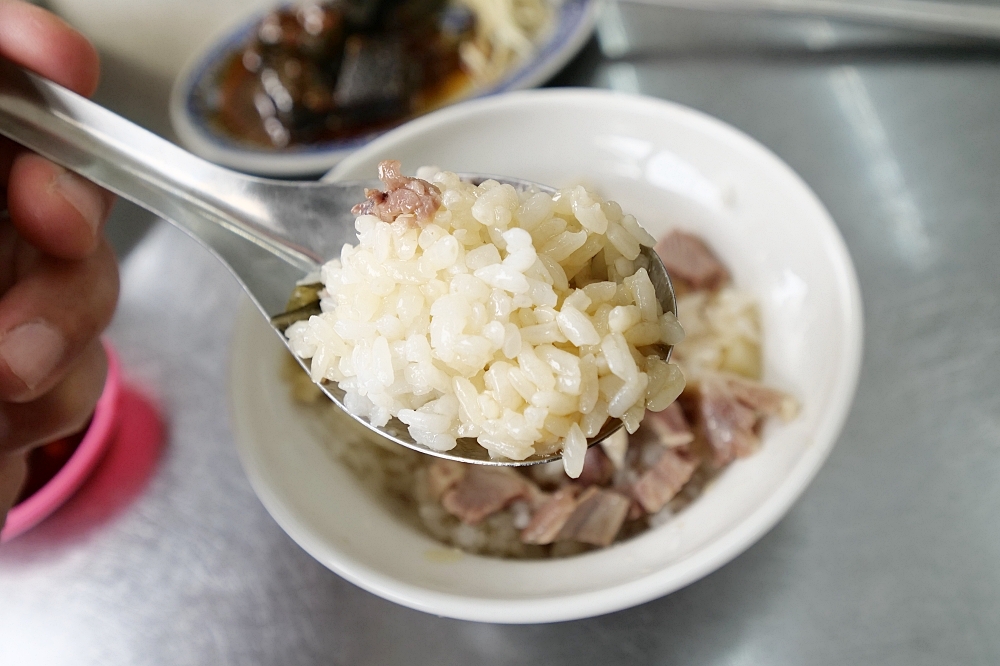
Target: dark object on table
[(46, 461), (318, 72)]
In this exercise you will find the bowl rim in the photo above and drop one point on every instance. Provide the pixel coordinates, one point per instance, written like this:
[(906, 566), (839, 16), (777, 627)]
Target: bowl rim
[(576, 21), (40, 505), (710, 556)]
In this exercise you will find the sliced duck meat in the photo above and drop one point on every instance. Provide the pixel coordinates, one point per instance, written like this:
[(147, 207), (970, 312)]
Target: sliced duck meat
[(728, 424), (534, 495), (597, 468), (761, 398), (662, 481), (671, 426), (549, 519), (483, 491), (403, 196), (442, 475), (391, 174), (635, 511), (598, 516), (690, 262)]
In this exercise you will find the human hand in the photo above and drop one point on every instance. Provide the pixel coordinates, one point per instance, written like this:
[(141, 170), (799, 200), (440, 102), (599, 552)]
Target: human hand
[(58, 277)]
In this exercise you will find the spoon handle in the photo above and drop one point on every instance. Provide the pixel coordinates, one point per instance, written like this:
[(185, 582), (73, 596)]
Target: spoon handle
[(215, 205)]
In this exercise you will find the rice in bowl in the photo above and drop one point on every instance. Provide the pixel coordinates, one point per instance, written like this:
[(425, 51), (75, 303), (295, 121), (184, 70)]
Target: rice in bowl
[(629, 483)]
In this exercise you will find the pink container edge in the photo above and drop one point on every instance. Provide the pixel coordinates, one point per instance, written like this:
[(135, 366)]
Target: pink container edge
[(68, 480)]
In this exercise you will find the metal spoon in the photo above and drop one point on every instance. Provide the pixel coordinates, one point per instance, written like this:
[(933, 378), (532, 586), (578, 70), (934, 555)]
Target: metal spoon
[(269, 233)]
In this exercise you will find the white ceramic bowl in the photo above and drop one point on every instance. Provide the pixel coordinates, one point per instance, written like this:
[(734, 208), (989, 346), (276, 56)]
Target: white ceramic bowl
[(671, 166), (573, 23)]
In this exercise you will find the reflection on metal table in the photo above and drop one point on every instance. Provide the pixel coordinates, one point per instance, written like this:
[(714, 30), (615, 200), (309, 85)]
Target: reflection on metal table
[(889, 557)]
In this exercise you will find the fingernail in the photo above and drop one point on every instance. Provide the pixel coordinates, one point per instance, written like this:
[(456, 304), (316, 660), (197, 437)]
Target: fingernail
[(81, 195), (32, 351)]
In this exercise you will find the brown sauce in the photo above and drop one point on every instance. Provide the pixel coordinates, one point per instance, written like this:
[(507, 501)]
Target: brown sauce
[(325, 71)]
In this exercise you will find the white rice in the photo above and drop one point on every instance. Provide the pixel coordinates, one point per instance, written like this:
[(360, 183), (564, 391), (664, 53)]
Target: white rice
[(723, 332), (517, 318)]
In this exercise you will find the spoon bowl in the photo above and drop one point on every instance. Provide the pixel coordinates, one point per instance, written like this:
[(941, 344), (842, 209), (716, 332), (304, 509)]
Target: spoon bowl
[(269, 233)]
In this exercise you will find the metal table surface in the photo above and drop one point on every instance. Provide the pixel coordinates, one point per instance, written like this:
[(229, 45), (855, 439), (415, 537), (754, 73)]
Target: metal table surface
[(891, 555)]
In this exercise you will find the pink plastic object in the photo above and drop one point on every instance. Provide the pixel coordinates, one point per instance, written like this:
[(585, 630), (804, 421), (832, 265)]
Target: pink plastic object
[(68, 480)]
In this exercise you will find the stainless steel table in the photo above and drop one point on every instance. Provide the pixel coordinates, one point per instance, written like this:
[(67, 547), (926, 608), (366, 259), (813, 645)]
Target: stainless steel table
[(892, 556)]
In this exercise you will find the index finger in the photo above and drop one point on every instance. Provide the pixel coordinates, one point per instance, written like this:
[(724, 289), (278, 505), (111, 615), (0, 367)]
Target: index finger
[(37, 40), (42, 42), (54, 210)]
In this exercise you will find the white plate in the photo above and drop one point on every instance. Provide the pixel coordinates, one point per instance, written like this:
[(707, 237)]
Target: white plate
[(573, 23), (672, 167)]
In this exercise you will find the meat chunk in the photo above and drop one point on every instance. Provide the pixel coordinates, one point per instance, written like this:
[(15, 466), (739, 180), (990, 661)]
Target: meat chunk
[(389, 172), (403, 196), (483, 491), (761, 398), (690, 262), (533, 494), (442, 475), (549, 519), (598, 516), (597, 468), (662, 481), (731, 408), (727, 424), (671, 426), (635, 511)]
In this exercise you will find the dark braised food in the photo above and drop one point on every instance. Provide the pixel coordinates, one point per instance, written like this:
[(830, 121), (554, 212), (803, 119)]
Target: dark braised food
[(323, 71)]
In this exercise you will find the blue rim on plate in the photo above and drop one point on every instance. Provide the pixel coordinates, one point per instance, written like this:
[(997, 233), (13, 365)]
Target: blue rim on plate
[(573, 24)]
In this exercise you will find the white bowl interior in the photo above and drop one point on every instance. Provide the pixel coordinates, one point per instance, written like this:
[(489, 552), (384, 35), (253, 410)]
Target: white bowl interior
[(670, 166)]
